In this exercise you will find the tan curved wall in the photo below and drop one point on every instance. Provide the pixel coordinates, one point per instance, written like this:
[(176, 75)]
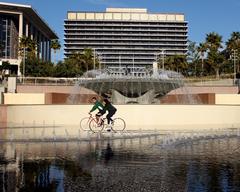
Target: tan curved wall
[(136, 116)]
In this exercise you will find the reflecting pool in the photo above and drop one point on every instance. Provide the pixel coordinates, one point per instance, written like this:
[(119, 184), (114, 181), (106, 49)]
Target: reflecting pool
[(154, 162)]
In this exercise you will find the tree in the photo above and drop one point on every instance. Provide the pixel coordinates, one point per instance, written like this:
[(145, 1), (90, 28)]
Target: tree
[(5, 66), (29, 46), (215, 58), (234, 41), (233, 44), (88, 58), (202, 48), (27, 49), (193, 56), (67, 69), (55, 45), (177, 63), (36, 68)]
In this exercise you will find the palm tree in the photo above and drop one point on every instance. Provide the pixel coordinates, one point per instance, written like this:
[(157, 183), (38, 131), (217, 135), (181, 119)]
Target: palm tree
[(202, 48), (28, 45), (214, 41), (88, 58), (215, 58), (233, 44), (193, 55), (55, 45), (27, 48), (234, 41)]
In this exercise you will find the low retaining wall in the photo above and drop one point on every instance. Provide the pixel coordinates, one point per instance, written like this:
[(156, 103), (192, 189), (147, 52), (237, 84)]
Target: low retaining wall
[(202, 98), (24, 98), (229, 99), (136, 116), (63, 98), (3, 115)]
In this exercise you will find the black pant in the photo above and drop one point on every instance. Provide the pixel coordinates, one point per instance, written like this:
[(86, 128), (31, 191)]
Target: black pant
[(109, 115)]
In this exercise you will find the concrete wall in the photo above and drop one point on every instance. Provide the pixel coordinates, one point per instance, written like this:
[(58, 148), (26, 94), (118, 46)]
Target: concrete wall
[(231, 99), (24, 98), (136, 116), (3, 113), (2, 90), (52, 89), (205, 89), (202, 98), (82, 90)]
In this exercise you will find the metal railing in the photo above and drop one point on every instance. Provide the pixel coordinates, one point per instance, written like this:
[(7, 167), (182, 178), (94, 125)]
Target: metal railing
[(71, 81)]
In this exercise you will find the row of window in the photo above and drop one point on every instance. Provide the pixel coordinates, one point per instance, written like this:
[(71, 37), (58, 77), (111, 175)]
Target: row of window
[(123, 29), (127, 51), (125, 23), (127, 44), (124, 26), (90, 38), (127, 34)]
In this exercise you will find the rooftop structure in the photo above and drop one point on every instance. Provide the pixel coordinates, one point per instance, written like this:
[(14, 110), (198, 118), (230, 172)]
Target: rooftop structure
[(123, 36), (16, 21)]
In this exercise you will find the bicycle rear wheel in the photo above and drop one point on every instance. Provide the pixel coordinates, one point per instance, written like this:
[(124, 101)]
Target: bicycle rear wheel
[(94, 127), (84, 123), (118, 124)]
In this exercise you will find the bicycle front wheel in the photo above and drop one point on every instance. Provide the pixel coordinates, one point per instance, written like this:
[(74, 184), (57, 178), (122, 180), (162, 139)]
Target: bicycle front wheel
[(84, 123), (94, 127), (118, 124)]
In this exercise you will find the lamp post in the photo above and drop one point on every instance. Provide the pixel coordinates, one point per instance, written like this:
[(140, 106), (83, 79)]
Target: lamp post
[(163, 57), (234, 58), (94, 58), (99, 55), (24, 55)]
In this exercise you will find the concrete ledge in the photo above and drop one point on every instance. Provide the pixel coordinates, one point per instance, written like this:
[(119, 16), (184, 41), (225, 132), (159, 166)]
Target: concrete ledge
[(24, 98), (233, 99), (137, 117)]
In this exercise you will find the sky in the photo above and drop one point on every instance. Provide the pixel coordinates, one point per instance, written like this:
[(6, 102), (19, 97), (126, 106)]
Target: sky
[(203, 16)]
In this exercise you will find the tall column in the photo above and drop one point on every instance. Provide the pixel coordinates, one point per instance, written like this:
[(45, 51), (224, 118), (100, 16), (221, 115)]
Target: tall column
[(44, 48), (31, 31), (40, 45), (27, 29), (36, 39), (50, 50), (20, 35), (20, 30)]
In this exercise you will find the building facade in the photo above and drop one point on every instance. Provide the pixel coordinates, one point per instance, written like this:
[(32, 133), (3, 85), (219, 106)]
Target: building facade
[(17, 21), (123, 36)]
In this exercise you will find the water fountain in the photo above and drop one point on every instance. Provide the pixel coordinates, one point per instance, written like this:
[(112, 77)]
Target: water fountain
[(132, 84)]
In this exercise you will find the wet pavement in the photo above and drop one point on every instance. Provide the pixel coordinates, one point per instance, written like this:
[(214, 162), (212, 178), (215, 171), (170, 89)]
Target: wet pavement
[(129, 161)]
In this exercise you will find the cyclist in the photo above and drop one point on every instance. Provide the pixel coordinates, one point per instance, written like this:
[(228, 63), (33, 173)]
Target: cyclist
[(97, 105), (111, 111)]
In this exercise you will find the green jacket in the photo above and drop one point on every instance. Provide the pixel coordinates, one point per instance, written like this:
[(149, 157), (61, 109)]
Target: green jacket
[(97, 105)]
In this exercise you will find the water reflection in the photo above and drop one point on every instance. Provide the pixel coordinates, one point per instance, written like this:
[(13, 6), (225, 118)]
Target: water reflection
[(137, 164), (108, 153)]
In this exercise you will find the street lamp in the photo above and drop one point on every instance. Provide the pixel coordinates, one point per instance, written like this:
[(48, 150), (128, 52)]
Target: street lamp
[(234, 57), (99, 55), (162, 53), (163, 57), (24, 55), (94, 58)]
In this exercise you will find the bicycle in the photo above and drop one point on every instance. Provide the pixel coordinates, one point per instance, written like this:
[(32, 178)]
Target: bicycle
[(118, 124)]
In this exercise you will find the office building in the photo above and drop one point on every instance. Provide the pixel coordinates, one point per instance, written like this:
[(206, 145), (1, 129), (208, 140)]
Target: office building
[(16, 21), (124, 36)]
